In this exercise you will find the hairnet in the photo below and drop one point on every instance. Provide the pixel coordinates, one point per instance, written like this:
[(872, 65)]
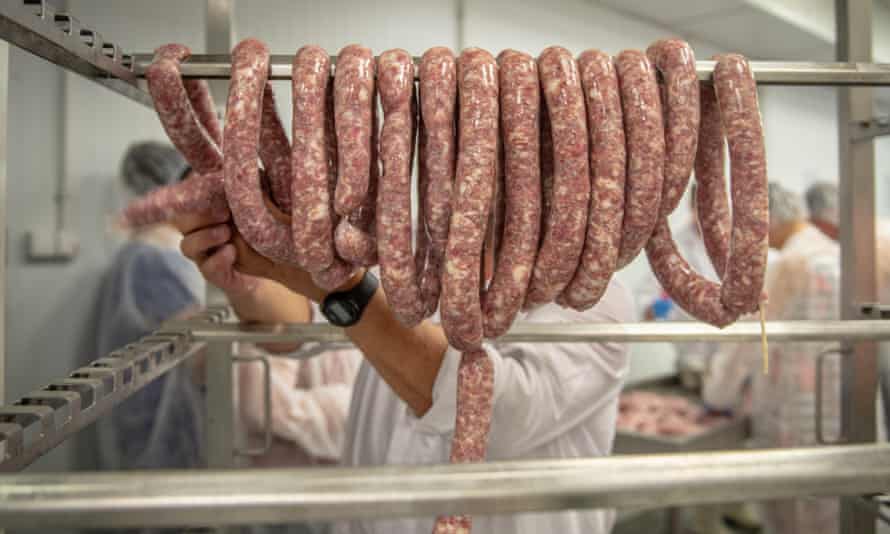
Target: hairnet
[(784, 205), (822, 202), (148, 165)]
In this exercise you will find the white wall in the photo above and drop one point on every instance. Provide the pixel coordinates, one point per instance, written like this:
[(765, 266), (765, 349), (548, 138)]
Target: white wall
[(49, 305)]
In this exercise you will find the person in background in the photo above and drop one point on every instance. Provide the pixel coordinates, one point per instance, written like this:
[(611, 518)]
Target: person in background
[(161, 426), (822, 203), (149, 282), (655, 304), (803, 283)]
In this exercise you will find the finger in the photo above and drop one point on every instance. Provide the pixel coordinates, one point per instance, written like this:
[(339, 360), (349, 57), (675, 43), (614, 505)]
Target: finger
[(197, 244), (218, 266), (193, 221)]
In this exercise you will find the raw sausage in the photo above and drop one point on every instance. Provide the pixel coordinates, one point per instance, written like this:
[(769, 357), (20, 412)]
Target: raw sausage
[(740, 113), (438, 96), (675, 60), (644, 130), (700, 297), (711, 200), (353, 105), (275, 152), (260, 224), (475, 386), (520, 120), (397, 267), (339, 271), (355, 237), (741, 289), (607, 164), (478, 121), (312, 223), (563, 231), (185, 128)]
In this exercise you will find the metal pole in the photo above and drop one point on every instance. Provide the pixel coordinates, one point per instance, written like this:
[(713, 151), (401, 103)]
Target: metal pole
[(255, 496), (857, 239), (4, 118), (218, 398), (219, 412)]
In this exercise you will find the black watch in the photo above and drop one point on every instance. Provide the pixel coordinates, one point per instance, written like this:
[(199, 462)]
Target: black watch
[(345, 308)]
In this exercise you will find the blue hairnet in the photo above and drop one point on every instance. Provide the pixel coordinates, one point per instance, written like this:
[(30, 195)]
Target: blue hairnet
[(148, 165)]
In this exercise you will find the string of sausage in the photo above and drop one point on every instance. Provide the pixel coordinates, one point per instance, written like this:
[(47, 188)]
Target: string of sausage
[(562, 169)]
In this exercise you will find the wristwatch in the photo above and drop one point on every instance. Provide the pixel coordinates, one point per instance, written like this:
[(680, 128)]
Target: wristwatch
[(345, 308)]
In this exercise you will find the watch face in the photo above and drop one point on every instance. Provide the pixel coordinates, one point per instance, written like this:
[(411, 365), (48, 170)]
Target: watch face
[(340, 312)]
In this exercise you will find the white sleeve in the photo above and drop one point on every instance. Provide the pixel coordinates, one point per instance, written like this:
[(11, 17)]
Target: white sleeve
[(728, 373), (309, 413), (541, 390)]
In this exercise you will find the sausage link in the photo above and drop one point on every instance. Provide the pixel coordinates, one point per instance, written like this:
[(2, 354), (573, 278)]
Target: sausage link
[(608, 166), (397, 268), (275, 151), (478, 92), (178, 116), (563, 231), (520, 119), (312, 222), (338, 272), (700, 297), (260, 224), (711, 199), (356, 237), (438, 98), (198, 194), (676, 61), (740, 113), (741, 289), (644, 129), (197, 90), (353, 104), (475, 387)]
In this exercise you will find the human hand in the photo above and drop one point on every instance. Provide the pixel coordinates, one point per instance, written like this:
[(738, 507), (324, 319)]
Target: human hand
[(210, 242)]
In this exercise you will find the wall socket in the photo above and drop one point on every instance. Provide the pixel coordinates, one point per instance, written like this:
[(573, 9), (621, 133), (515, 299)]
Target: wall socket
[(51, 246)]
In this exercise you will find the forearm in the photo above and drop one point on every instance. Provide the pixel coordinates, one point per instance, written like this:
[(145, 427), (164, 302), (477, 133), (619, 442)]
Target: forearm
[(272, 302), (408, 359)]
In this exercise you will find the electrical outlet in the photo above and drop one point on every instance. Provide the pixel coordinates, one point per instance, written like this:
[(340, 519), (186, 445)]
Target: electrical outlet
[(51, 246)]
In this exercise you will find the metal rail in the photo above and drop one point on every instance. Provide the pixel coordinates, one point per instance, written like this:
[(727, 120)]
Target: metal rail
[(42, 419), (59, 37), (189, 498), (218, 66), (777, 331)]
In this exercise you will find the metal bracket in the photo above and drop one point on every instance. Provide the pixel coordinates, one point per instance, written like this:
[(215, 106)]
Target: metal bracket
[(868, 130), (875, 310), (267, 406)]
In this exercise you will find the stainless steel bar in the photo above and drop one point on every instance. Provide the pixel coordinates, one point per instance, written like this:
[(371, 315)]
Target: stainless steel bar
[(853, 21), (217, 66), (218, 405), (180, 498), (82, 51), (777, 331), (4, 119), (69, 405)]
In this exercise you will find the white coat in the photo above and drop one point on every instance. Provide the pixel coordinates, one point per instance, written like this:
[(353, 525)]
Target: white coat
[(555, 400)]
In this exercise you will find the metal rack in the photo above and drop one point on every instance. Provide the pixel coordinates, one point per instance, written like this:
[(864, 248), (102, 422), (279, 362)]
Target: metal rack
[(42, 419)]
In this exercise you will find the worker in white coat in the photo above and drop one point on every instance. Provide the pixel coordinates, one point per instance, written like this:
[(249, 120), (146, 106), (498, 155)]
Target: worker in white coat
[(822, 204), (802, 284), (550, 401)]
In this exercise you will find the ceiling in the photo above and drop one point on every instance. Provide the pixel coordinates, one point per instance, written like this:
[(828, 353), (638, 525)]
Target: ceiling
[(762, 29)]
